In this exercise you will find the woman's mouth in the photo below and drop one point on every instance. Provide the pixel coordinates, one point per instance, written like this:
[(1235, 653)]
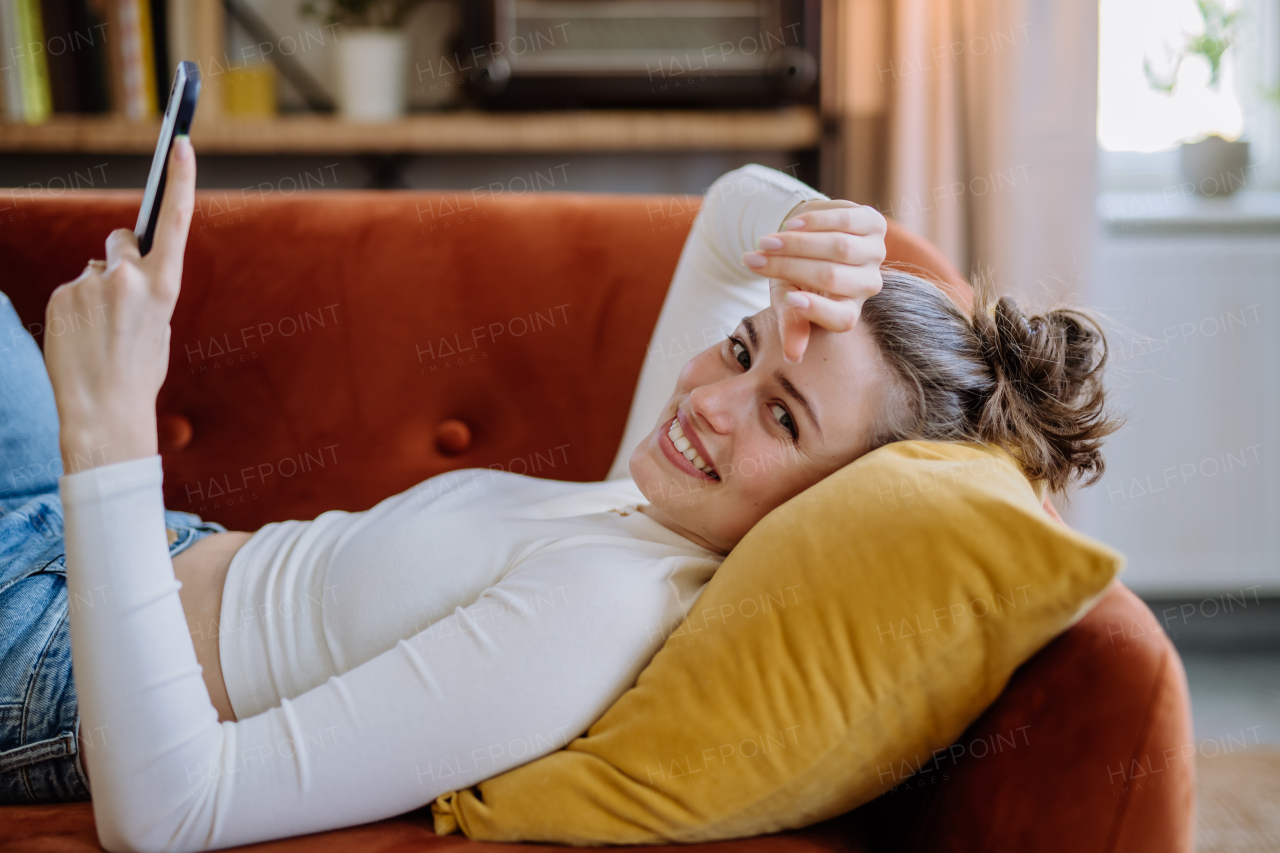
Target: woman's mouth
[(684, 455)]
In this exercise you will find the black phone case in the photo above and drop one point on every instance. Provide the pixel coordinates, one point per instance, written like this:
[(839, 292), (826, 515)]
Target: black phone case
[(186, 88)]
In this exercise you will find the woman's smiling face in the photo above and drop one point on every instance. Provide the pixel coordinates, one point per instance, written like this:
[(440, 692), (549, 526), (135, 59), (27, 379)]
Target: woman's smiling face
[(762, 429)]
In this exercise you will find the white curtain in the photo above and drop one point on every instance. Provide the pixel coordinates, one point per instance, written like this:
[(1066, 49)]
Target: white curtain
[(991, 136)]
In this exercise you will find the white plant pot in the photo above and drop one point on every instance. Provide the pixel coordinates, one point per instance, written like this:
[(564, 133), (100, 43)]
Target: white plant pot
[(371, 74), (1215, 166)]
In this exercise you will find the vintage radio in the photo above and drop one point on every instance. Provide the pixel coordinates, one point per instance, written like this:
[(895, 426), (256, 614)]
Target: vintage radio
[(544, 54)]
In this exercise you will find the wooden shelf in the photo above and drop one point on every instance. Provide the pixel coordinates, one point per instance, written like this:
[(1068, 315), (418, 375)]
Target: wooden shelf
[(785, 129)]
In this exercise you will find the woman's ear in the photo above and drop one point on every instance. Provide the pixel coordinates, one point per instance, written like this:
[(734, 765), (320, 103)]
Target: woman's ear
[(1053, 512)]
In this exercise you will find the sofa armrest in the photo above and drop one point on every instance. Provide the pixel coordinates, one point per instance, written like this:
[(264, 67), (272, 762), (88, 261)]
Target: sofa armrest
[(1090, 747)]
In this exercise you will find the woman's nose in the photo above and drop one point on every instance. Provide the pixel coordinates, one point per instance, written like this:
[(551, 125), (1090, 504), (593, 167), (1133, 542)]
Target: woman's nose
[(717, 404)]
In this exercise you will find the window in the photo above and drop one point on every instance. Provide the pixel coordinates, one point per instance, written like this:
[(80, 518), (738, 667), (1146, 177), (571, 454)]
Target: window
[(1135, 117)]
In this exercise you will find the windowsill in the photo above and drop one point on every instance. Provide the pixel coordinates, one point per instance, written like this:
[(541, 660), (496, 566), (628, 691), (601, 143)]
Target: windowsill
[(1173, 212)]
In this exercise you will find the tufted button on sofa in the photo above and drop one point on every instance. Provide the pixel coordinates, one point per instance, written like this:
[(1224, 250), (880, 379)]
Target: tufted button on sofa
[(174, 432), (453, 437)]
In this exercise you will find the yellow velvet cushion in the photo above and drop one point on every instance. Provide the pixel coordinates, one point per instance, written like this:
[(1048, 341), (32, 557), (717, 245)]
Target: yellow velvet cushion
[(856, 629)]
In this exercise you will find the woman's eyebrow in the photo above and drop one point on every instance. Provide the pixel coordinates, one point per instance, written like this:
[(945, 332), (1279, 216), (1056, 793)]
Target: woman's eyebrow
[(794, 393)]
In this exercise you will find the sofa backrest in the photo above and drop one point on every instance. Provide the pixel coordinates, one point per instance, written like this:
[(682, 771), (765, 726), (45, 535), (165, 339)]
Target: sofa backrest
[(322, 340)]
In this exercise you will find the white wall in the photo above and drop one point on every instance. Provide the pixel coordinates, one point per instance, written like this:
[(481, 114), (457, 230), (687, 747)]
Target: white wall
[(1192, 492)]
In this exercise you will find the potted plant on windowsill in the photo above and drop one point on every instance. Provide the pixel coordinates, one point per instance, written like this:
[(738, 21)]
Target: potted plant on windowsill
[(1215, 165), (372, 54)]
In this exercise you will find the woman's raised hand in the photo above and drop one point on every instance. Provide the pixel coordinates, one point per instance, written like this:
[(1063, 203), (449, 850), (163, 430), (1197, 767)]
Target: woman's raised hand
[(107, 333), (822, 267)]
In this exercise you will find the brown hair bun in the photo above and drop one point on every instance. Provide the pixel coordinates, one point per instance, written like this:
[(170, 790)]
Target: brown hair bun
[(1032, 385)]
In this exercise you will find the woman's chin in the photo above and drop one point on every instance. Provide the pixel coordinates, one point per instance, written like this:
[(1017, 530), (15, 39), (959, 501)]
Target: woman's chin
[(638, 465), (646, 465)]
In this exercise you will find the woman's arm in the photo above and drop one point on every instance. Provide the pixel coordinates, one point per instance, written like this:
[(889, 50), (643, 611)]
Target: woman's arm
[(514, 676), (837, 249)]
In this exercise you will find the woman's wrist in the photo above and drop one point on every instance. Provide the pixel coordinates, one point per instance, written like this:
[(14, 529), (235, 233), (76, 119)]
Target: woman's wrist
[(88, 445)]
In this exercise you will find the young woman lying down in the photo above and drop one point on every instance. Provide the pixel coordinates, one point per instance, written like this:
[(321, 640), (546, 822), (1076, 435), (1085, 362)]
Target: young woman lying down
[(291, 720)]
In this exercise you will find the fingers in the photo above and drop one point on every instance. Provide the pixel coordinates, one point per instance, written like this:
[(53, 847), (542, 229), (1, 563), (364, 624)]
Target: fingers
[(122, 245), (838, 246), (833, 247), (822, 266), (794, 329), (835, 279), (174, 221), (88, 270), (825, 204), (76, 305), (838, 315), (859, 219)]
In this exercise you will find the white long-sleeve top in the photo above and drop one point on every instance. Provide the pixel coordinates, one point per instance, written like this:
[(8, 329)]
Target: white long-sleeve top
[(472, 552), (375, 705)]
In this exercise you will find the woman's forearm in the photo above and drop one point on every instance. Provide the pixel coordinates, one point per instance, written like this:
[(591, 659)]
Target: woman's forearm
[(137, 679)]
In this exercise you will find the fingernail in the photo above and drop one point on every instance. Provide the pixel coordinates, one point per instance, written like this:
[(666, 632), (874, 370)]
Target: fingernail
[(769, 243), (755, 260), (793, 225), (796, 299), (183, 145)]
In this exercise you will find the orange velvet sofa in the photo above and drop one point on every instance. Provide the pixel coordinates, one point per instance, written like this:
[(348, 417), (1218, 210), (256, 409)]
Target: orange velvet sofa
[(332, 349)]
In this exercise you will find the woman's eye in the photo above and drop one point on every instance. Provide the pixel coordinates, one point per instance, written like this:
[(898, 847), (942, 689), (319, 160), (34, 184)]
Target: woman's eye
[(784, 418), (741, 354)]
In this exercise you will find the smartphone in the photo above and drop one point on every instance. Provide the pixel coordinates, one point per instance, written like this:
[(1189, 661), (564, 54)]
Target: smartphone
[(177, 121)]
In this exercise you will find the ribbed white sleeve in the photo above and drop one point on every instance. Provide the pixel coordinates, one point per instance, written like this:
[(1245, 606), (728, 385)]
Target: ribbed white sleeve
[(711, 289), (433, 714)]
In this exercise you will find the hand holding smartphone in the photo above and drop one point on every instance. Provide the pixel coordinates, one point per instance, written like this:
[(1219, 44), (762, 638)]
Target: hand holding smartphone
[(106, 379), (178, 114)]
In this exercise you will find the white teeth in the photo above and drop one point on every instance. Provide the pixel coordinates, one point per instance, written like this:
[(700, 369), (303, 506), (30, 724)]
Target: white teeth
[(686, 448)]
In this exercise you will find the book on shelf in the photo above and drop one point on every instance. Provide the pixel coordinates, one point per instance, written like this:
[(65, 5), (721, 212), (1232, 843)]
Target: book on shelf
[(9, 42), (147, 54), (74, 48), (99, 56), (88, 37), (27, 94), (60, 60), (131, 23), (161, 63)]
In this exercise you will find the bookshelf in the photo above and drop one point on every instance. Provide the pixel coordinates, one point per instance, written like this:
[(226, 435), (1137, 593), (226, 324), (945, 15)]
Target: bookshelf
[(197, 30), (791, 128)]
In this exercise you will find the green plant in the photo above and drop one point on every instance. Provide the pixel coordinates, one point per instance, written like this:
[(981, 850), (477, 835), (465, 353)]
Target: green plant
[(1220, 29), (359, 13)]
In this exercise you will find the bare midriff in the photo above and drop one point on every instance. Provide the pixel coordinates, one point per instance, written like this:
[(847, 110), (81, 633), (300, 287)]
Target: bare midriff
[(202, 570)]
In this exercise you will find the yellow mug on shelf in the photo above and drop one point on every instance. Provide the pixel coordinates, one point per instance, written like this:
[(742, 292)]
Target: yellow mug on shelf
[(251, 90)]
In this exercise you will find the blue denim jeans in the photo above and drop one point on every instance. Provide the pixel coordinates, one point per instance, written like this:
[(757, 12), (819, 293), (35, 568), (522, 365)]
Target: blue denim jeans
[(39, 717)]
